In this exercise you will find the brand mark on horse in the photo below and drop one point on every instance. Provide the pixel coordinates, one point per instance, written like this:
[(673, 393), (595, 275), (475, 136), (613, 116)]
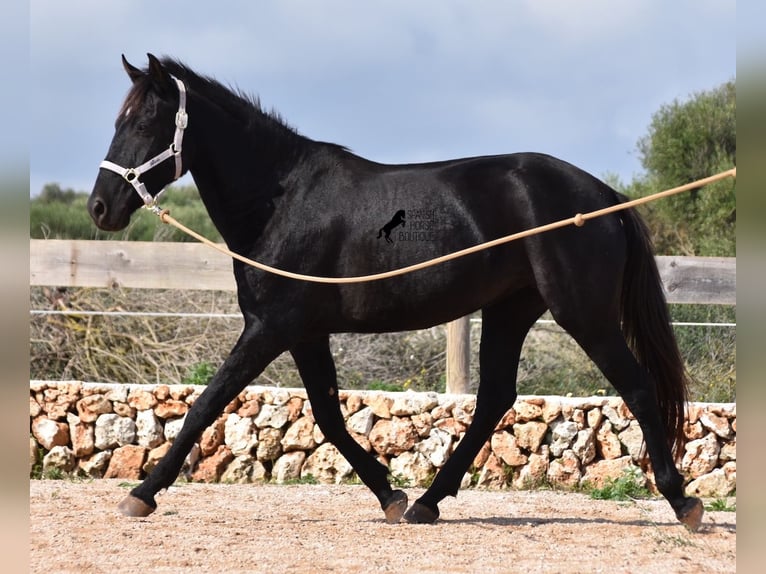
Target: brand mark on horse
[(396, 221)]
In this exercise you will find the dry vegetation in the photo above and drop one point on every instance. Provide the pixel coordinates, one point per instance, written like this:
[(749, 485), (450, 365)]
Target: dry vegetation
[(150, 349)]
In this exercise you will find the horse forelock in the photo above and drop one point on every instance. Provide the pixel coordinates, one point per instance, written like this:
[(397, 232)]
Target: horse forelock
[(135, 97)]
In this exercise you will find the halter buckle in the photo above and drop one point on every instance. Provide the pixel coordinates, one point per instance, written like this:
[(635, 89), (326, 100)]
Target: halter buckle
[(182, 119)]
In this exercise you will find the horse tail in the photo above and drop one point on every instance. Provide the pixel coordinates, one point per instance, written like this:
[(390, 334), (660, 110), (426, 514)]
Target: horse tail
[(646, 325), (380, 233)]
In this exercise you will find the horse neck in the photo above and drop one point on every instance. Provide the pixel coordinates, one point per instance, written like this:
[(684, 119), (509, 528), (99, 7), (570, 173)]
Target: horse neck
[(238, 170)]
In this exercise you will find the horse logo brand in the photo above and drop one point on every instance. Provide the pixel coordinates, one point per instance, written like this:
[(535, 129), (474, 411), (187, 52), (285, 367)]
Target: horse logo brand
[(422, 225), (396, 221)]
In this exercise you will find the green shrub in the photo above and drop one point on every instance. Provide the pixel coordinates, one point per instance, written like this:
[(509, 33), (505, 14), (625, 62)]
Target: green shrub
[(63, 214), (627, 487), (199, 374), (721, 505)]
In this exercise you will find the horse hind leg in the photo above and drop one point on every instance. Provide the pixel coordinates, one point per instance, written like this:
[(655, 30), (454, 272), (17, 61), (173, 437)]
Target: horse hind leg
[(504, 328), (609, 351)]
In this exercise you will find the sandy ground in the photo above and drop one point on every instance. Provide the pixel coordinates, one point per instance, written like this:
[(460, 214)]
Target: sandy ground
[(75, 527)]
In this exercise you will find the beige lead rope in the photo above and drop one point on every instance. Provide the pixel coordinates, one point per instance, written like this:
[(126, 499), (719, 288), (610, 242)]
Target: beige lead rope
[(578, 219)]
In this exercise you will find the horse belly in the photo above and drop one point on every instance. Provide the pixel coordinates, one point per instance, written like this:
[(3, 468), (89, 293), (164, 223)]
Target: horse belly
[(427, 298)]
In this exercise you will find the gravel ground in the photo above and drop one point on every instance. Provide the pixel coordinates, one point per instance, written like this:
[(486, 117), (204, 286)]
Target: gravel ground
[(75, 527)]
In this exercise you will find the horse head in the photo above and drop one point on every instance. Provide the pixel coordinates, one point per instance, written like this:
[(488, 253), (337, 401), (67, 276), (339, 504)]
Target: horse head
[(145, 154)]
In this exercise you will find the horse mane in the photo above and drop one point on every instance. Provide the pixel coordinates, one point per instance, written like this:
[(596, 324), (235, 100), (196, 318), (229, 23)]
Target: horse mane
[(244, 106)]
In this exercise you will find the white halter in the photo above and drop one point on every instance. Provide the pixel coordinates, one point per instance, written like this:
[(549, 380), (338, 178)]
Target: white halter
[(132, 174)]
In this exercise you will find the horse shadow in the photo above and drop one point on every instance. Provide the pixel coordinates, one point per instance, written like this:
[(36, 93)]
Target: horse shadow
[(396, 221), (526, 521)]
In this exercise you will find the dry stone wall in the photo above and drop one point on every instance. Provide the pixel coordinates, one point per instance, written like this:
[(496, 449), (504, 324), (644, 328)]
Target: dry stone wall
[(121, 431)]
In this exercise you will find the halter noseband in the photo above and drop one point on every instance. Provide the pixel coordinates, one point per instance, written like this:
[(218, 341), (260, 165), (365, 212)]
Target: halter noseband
[(132, 174)]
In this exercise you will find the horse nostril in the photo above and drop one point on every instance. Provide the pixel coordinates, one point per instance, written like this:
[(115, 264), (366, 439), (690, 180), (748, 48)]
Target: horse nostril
[(98, 209)]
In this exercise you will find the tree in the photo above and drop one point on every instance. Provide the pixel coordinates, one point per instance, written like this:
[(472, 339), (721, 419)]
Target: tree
[(52, 193), (688, 141)]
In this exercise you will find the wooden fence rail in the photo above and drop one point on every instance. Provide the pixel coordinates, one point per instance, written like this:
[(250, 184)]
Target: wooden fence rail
[(172, 265)]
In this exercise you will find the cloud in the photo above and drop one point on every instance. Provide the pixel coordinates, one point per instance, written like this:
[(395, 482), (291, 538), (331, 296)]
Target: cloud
[(396, 80), (593, 21)]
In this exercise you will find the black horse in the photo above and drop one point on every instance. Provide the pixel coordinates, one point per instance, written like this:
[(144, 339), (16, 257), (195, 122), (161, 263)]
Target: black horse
[(396, 221), (313, 207)]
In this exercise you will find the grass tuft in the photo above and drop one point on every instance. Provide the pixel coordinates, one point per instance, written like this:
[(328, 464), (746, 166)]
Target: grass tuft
[(630, 486)]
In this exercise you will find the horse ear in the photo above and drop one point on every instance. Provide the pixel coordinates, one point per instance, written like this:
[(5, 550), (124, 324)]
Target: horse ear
[(133, 73), (160, 77)]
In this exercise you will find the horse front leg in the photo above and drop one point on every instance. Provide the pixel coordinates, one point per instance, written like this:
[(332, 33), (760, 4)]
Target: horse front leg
[(504, 327), (317, 369), (252, 353)]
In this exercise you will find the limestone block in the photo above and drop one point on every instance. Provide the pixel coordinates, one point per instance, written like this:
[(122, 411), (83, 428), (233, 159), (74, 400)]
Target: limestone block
[(633, 439), (210, 468), (59, 458), (288, 466), (300, 435), (598, 473), (506, 448), (126, 462), (565, 471), (170, 409), (584, 445), (114, 431), (562, 434), (141, 399), (96, 464), (380, 405), (244, 469), (173, 427), (535, 472), (240, 434), (326, 465), (718, 424), (89, 408), (701, 456), (713, 484), (407, 404), (50, 433), (269, 444), (155, 455), (149, 431), (412, 466), (530, 435), (436, 448), (271, 415), (82, 436), (362, 421), (607, 443), (393, 436), (526, 411), (213, 437)]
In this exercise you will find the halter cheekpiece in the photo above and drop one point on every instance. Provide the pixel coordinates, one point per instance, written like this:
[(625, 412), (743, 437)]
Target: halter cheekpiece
[(133, 174)]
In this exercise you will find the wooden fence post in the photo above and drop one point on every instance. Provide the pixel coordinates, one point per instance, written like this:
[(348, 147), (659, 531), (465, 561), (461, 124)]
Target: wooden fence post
[(458, 355)]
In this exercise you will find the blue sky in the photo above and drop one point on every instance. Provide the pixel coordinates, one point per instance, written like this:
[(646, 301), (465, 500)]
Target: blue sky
[(396, 81)]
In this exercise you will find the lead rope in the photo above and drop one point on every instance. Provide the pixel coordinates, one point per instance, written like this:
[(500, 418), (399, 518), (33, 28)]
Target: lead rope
[(578, 220)]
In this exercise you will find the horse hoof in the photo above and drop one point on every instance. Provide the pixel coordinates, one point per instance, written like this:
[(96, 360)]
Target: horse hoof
[(691, 515), (133, 506), (421, 514), (396, 506)]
